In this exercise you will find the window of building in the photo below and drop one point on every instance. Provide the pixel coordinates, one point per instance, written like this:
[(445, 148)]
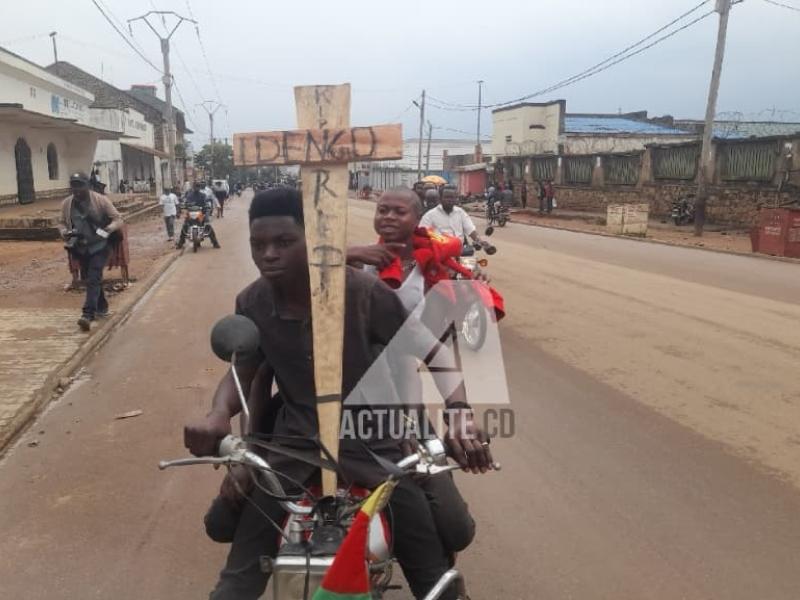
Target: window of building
[(508, 138), (52, 161)]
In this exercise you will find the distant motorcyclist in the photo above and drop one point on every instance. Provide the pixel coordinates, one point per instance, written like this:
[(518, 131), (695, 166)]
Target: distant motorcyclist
[(198, 197)]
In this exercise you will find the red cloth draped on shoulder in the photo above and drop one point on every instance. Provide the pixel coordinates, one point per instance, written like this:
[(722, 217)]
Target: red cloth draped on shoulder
[(119, 256), (437, 257)]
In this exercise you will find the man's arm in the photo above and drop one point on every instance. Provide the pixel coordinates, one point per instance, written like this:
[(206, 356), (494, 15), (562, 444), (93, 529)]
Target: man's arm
[(469, 227), (202, 436), (112, 213), (468, 443)]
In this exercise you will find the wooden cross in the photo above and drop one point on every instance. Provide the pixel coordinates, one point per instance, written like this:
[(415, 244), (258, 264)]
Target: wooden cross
[(323, 146)]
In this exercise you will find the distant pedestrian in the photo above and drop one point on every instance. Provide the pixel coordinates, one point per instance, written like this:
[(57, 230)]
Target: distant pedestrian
[(523, 196), (542, 197), (87, 221), (549, 195), (169, 204)]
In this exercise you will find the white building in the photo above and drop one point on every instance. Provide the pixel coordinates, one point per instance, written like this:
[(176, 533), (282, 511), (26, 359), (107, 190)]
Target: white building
[(46, 131), (531, 129)]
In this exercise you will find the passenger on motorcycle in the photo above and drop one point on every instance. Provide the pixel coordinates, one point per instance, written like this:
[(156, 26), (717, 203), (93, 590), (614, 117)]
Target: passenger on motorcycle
[(279, 303), (449, 219), (396, 221), (198, 197)]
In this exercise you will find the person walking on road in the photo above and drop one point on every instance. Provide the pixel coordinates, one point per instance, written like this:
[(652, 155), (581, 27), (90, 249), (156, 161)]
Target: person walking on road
[(169, 204), (87, 221)]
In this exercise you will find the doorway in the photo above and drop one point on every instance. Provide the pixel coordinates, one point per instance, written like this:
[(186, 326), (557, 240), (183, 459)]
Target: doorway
[(22, 155)]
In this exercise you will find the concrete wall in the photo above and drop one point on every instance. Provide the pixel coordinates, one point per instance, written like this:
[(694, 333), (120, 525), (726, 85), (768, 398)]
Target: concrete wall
[(75, 152), (527, 129), (736, 206), (593, 144)]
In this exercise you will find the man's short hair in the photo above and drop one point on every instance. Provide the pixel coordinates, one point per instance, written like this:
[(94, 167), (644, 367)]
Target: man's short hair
[(277, 202), (408, 193), (448, 189)]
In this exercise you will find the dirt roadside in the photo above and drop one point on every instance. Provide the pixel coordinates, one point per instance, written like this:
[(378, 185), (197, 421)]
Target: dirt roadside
[(43, 347), (34, 274)]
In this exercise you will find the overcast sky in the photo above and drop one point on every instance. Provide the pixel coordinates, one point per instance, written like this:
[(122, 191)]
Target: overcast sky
[(390, 50)]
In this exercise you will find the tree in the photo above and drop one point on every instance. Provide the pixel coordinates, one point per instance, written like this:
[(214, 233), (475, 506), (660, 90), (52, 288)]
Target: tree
[(222, 164)]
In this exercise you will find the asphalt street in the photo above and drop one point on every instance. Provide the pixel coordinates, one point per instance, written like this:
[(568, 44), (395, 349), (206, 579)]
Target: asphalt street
[(655, 452)]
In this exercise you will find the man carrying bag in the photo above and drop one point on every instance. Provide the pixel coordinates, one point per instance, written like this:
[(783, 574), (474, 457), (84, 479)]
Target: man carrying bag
[(88, 220)]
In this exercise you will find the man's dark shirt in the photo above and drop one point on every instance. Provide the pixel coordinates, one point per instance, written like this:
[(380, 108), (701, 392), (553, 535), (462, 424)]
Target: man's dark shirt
[(373, 314)]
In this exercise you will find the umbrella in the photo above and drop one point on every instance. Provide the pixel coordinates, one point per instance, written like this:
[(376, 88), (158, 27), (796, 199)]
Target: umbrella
[(434, 179)]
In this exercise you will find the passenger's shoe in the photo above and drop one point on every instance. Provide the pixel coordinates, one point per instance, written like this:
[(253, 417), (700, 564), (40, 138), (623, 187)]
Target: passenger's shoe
[(102, 314), (217, 246), (85, 323)]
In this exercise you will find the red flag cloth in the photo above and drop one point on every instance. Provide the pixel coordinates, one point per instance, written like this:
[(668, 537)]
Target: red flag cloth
[(437, 256)]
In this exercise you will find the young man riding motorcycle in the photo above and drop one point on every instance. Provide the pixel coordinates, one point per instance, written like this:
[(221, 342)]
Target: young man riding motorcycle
[(198, 197), (279, 303)]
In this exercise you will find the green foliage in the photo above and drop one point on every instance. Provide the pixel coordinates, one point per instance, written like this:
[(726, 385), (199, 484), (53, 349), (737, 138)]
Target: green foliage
[(222, 164)]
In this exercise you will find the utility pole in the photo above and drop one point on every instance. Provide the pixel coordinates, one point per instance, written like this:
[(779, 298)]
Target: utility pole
[(421, 107), (480, 97), (210, 108), (428, 153), (706, 165), (169, 115), (53, 35)]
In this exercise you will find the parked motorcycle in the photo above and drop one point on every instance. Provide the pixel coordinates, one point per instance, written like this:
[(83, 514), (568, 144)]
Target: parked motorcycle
[(315, 526), (197, 226), (683, 210)]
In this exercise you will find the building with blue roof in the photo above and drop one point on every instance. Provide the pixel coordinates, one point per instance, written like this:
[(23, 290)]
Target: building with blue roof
[(529, 129)]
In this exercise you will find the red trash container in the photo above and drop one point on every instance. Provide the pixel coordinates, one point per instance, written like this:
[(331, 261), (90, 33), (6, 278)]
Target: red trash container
[(779, 232)]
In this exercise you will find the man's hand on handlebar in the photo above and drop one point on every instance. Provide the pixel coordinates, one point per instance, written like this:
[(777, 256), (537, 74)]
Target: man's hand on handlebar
[(202, 436), (468, 443)]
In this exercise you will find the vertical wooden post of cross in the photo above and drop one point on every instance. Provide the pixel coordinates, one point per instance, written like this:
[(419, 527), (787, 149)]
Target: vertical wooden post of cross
[(323, 146), (325, 213)]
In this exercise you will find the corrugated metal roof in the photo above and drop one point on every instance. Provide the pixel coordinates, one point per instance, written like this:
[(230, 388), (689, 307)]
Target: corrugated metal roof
[(736, 130), (601, 124)]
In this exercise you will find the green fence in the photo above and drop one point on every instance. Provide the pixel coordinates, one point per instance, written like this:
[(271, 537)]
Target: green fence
[(675, 162), (751, 161), (578, 169), (622, 169)]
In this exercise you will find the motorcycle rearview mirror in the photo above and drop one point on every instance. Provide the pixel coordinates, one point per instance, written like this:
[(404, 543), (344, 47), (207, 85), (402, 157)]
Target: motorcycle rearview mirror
[(234, 334), (489, 249), (489, 230)]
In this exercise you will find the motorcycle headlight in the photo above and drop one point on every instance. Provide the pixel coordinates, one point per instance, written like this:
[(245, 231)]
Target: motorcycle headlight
[(469, 262), (194, 215)]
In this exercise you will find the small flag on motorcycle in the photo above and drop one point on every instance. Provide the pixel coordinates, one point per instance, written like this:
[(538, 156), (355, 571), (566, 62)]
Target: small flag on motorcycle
[(348, 576)]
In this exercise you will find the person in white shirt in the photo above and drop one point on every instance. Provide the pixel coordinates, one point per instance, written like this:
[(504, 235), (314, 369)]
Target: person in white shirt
[(169, 204), (449, 219)]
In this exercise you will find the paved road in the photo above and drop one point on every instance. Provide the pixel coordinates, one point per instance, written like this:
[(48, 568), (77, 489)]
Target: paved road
[(632, 474)]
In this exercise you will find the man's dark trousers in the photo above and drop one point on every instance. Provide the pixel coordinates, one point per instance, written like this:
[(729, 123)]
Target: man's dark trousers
[(416, 545), (92, 266)]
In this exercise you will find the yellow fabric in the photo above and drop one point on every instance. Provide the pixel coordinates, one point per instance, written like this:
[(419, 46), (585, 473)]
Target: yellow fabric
[(378, 498)]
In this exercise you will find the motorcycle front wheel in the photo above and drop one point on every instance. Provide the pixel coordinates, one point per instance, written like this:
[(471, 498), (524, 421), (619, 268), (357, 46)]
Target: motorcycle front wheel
[(502, 220), (473, 327), (195, 241)]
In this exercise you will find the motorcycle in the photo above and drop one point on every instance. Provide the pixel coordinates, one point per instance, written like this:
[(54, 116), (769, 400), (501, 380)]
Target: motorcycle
[(683, 210), (197, 226), (315, 526), (475, 322), (496, 212)]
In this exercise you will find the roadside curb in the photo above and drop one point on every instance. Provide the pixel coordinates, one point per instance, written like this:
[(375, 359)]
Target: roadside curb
[(646, 240), (48, 391)]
